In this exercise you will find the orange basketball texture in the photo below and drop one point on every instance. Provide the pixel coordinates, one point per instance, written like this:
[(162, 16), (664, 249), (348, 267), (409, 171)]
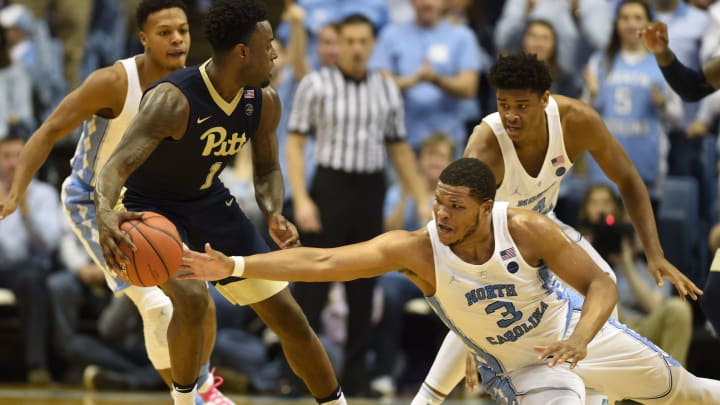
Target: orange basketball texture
[(159, 249)]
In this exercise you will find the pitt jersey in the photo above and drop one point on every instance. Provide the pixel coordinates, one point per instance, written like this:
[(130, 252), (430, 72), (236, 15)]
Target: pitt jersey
[(216, 130), (519, 188), (503, 307), (101, 135)]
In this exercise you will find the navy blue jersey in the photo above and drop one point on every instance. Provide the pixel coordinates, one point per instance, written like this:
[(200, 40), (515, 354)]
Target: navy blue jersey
[(216, 130)]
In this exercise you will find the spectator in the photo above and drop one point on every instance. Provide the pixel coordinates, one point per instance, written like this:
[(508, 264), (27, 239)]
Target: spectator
[(629, 92), (28, 239), (356, 117), (15, 92), (540, 38), (31, 46), (69, 21), (436, 71), (652, 312), (583, 27)]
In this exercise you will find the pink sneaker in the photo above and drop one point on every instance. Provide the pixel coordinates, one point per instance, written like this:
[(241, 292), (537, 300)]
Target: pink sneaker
[(213, 396)]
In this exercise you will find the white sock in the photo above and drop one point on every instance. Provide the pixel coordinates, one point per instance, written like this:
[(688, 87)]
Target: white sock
[(184, 398), (336, 398), (426, 396)]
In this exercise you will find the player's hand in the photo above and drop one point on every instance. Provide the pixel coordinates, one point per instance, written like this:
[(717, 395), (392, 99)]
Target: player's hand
[(572, 350), (283, 232), (7, 206), (212, 265), (661, 268), (655, 36), (307, 216), (108, 222)]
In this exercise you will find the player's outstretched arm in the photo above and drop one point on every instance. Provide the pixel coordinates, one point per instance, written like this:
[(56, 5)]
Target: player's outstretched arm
[(163, 113), (382, 254), (103, 92)]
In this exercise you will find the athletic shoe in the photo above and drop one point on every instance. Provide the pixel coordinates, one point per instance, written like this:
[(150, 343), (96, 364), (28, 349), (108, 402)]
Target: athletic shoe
[(213, 396)]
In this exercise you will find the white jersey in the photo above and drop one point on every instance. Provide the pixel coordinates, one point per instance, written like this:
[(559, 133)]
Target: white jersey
[(100, 135), (519, 188), (501, 308)]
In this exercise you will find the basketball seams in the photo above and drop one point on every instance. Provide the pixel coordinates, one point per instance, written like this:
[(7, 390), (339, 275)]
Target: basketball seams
[(174, 236), (159, 256), (152, 251)]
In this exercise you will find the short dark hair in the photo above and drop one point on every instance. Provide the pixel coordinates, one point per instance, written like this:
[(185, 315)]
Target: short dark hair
[(355, 18), (520, 71), (12, 136), (230, 22), (473, 174), (147, 7)]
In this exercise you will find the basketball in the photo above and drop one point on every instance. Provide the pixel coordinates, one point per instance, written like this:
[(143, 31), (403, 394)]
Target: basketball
[(159, 249)]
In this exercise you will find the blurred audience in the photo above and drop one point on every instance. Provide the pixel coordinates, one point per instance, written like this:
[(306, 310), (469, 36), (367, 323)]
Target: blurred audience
[(651, 311)]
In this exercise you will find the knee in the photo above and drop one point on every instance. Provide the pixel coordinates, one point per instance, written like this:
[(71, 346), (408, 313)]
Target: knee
[(189, 299)]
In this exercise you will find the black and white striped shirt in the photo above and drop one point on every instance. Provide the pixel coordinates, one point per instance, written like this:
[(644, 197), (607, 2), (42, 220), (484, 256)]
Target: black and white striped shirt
[(351, 120)]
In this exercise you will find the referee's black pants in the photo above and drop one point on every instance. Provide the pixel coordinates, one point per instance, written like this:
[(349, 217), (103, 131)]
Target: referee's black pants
[(351, 210)]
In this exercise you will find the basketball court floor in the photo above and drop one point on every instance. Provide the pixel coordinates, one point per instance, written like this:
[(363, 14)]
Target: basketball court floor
[(23, 395)]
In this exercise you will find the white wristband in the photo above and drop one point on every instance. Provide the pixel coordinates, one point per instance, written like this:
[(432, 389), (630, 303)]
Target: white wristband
[(239, 267)]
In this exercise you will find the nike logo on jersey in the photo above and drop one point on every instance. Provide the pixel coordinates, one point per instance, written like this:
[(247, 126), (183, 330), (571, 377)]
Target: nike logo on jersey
[(201, 120), (229, 202)]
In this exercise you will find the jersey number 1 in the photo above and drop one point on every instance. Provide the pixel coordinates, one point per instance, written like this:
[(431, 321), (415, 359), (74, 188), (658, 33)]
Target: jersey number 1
[(214, 169)]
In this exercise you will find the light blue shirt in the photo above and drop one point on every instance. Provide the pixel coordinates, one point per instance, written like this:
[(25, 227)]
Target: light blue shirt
[(15, 97), (450, 49), (320, 13), (16, 242), (577, 39)]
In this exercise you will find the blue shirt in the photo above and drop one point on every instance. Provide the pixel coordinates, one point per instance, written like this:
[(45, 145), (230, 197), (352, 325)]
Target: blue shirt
[(450, 49), (577, 40), (17, 244), (320, 13), (624, 101)]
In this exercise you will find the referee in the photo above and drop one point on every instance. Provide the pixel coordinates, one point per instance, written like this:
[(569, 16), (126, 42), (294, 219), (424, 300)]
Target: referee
[(356, 117)]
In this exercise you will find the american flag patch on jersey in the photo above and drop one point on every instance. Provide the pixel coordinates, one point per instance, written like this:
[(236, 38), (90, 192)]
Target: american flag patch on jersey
[(507, 254), (250, 93), (558, 160)]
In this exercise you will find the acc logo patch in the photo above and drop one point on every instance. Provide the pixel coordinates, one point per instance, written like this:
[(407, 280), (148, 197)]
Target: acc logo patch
[(513, 267)]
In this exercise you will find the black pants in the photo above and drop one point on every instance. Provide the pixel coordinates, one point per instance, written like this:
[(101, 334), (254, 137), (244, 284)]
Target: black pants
[(351, 210)]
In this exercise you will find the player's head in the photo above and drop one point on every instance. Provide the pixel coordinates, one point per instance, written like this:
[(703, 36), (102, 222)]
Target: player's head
[(357, 40), (238, 30), (463, 197), (164, 32), (10, 148), (522, 83)]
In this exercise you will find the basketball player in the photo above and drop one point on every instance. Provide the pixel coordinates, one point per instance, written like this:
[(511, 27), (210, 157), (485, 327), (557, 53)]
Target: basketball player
[(189, 125), (106, 101), (483, 267), (530, 144)]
